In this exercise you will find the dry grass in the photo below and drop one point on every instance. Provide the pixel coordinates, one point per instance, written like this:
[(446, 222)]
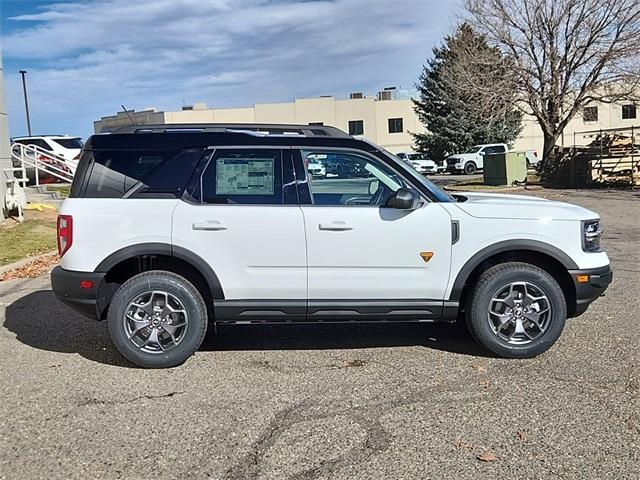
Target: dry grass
[(36, 235)]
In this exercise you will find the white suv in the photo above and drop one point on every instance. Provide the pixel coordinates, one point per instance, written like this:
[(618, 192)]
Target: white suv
[(62, 146), (169, 229)]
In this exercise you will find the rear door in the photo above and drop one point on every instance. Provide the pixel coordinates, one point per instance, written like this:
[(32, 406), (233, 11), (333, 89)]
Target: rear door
[(244, 220)]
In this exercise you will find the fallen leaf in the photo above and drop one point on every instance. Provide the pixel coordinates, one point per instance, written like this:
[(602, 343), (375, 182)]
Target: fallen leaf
[(487, 457), (32, 269), (523, 436)]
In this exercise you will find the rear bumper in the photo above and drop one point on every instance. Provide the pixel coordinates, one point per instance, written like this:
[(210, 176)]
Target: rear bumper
[(586, 292), (66, 287)]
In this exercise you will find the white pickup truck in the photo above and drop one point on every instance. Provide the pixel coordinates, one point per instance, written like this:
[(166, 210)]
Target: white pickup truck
[(472, 160)]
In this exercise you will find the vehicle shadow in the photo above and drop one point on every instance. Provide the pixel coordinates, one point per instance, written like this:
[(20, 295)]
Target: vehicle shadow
[(436, 336), (42, 322)]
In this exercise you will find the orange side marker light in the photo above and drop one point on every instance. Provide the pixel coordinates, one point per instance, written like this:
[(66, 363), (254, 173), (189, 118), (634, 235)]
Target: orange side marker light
[(426, 256)]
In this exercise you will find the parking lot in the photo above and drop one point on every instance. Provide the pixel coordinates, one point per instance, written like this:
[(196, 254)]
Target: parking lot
[(347, 401)]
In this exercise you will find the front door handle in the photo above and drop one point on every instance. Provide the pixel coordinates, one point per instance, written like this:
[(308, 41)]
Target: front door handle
[(335, 226), (210, 225)]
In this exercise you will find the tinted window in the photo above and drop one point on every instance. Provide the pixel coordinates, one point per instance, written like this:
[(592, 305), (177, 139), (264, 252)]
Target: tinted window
[(38, 142), (71, 143), (356, 127), (115, 173), (351, 179), (243, 177), (395, 125), (628, 112), (590, 114), (494, 149)]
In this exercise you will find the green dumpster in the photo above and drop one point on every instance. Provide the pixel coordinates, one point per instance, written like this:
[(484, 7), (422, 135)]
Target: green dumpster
[(505, 168)]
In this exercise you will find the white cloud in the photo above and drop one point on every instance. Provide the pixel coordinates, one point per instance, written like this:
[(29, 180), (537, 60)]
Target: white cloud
[(94, 55)]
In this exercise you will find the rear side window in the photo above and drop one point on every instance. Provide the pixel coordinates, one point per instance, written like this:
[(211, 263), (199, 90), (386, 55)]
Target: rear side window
[(38, 142), (250, 177), (145, 172)]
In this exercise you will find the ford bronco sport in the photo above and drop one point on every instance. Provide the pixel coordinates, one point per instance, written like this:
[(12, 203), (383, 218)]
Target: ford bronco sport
[(170, 229)]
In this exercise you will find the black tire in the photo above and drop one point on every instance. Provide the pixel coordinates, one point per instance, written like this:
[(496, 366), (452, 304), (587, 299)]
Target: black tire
[(490, 283), (175, 285), (470, 168)]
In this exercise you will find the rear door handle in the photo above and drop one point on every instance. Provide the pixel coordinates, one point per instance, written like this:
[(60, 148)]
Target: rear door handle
[(210, 225), (335, 226)]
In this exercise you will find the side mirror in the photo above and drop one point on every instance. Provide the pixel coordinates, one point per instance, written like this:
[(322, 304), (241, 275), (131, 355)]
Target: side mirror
[(406, 199), (482, 152)]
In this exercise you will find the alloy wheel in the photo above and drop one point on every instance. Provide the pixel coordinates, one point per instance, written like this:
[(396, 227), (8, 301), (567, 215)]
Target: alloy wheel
[(519, 313), (155, 321)]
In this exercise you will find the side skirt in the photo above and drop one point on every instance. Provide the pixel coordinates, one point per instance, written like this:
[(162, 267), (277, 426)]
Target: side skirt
[(334, 311)]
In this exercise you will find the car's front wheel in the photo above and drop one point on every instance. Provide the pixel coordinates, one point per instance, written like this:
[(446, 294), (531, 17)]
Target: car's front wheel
[(516, 310), (470, 168), (157, 319)]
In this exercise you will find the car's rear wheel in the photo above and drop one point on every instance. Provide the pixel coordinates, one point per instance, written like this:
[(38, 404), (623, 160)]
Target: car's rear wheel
[(157, 319), (470, 168), (516, 310)]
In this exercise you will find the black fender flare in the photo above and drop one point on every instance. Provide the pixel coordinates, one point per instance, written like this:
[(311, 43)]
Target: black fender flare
[(507, 246), (181, 253)]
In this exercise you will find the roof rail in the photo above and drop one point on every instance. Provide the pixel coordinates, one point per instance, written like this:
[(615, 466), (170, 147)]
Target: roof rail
[(246, 128)]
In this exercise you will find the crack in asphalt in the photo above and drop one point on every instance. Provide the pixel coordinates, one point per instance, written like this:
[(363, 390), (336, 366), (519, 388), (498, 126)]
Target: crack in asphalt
[(377, 439), (95, 401)]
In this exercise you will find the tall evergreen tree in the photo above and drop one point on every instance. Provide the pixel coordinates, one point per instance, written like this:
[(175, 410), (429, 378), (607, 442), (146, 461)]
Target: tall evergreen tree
[(455, 117)]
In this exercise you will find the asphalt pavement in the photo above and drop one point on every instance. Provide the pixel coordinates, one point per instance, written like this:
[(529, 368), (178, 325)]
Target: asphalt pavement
[(331, 401)]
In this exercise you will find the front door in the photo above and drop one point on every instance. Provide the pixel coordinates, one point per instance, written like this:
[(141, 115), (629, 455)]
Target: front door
[(366, 260), (243, 225)]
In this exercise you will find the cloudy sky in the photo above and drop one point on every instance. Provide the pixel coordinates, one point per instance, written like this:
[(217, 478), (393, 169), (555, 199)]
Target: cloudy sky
[(85, 58)]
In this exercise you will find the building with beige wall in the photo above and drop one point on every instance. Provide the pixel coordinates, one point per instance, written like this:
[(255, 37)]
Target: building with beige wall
[(583, 128), (387, 119)]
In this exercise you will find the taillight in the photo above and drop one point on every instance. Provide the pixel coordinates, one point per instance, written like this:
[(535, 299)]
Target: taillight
[(65, 233)]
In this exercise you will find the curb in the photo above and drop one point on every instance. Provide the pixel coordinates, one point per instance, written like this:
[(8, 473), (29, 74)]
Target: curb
[(23, 262)]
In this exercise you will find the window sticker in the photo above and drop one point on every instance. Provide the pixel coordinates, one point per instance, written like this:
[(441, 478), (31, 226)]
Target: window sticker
[(244, 176)]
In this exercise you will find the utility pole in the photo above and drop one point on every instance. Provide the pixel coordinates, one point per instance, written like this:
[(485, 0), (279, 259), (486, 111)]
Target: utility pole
[(26, 101)]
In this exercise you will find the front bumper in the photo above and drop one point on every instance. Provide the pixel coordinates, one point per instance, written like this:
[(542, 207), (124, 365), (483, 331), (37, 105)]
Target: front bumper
[(66, 287), (597, 281), (420, 169)]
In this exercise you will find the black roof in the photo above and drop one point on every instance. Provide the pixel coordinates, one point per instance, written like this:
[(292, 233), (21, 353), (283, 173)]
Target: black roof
[(174, 136)]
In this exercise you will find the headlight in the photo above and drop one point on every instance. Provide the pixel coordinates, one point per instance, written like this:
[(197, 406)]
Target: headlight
[(591, 233)]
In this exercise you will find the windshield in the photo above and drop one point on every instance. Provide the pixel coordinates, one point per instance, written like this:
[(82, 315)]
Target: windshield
[(474, 149), (69, 142), (415, 156)]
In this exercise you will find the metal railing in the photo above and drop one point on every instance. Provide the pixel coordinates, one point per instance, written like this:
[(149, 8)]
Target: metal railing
[(43, 161)]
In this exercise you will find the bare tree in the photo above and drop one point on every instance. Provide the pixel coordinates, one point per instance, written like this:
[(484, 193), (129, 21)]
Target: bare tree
[(564, 54)]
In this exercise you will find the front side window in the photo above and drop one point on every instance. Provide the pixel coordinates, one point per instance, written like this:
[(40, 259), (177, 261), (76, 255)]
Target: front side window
[(71, 143), (494, 149), (395, 125), (356, 127), (351, 179), (249, 177), (628, 112)]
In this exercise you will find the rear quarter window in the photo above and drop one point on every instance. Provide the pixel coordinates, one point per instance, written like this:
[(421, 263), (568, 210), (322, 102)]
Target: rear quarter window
[(116, 173)]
